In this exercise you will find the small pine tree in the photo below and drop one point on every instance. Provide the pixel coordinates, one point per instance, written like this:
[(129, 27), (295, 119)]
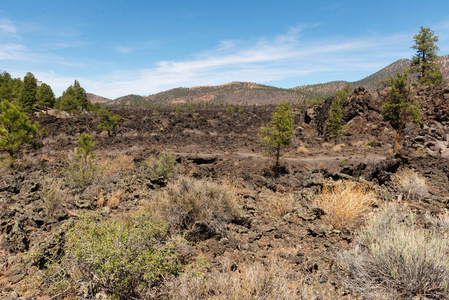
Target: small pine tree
[(336, 125), (16, 128), (108, 121), (399, 107), (85, 144), (279, 132)]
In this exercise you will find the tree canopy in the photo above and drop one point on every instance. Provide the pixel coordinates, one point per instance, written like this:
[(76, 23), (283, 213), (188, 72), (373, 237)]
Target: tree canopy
[(27, 97), (16, 128), (279, 131), (424, 61), (399, 106), (73, 99), (45, 96)]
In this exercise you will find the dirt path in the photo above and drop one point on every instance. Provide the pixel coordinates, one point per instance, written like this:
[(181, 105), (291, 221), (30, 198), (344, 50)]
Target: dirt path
[(326, 159)]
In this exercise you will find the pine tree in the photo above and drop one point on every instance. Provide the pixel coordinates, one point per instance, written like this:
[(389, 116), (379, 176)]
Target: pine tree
[(108, 121), (73, 99), (424, 61), (279, 132), (399, 107), (27, 96), (16, 128), (336, 125), (45, 96)]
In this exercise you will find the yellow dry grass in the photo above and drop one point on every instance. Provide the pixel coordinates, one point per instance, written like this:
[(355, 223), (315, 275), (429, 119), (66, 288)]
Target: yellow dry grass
[(338, 148), (276, 203), (110, 166), (302, 149), (114, 198), (345, 204)]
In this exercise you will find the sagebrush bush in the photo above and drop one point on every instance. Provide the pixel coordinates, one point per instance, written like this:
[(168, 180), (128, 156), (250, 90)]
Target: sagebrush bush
[(345, 203), (123, 257), (52, 194), (187, 201), (163, 167), (410, 183), (396, 259)]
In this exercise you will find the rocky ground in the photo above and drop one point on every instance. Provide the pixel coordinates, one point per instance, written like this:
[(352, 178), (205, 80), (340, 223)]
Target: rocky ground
[(211, 142)]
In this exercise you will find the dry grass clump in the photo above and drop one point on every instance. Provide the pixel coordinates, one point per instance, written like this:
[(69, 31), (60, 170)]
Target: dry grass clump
[(118, 164), (326, 145), (186, 201), (113, 198), (397, 259), (412, 185), (241, 281), (345, 203), (338, 148), (276, 203), (302, 149)]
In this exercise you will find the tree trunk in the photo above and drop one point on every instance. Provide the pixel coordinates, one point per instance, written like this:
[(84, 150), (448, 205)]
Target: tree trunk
[(397, 143), (276, 168)]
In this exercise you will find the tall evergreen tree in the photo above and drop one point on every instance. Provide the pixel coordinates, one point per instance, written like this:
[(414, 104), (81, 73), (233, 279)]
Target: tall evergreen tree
[(279, 132), (424, 61), (6, 83), (27, 96), (45, 96), (15, 128), (74, 99), (336, 125), (399, 107)]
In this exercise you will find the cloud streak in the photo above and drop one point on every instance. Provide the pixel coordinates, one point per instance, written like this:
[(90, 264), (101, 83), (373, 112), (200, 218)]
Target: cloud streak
[(287, 56), (282, 57)]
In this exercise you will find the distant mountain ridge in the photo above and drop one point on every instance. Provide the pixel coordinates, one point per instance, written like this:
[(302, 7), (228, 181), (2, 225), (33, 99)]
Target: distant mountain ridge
[(249, 93)]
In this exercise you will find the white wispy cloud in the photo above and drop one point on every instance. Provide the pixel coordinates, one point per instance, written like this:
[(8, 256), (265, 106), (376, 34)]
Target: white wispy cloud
[(7, 27), (264, 60), (285, 56)]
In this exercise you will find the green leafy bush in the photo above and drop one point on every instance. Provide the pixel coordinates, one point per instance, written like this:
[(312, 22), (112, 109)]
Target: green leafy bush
[(123, 257), (394, 258)]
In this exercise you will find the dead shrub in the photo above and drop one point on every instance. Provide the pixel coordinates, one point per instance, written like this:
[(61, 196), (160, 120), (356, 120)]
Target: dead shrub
[(187, 201), (345, 203), (240, 281), (411, 184), (397, 259), (276, 203)]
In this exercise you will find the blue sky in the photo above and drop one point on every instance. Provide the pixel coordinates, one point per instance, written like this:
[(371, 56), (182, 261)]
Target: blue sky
[(115, 48)]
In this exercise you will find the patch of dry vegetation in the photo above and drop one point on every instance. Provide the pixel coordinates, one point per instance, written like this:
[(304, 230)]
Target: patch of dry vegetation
[(345, 203), (244, 280), (412, 185), (276, 203), (187, 201), (395, 258)]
